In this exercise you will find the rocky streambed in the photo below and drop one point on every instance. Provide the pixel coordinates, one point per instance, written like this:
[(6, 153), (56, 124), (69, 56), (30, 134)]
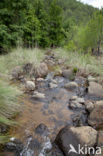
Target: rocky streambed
[(60, 112)]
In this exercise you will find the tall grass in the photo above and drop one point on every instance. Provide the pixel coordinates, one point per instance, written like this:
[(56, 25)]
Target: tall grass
[(8, 105), (91, 64), (19, 57)]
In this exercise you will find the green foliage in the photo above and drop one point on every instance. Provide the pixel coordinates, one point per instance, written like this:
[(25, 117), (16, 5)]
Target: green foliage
[(39, 22), (91, 36), (56, 28)]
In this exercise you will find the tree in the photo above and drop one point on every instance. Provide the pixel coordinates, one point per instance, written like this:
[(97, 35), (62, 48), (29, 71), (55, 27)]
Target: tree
[(92, 35), (56, 31)]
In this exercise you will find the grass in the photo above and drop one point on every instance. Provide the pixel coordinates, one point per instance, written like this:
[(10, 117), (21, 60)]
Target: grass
[(91, 64), (19, 57), (8, 105), (9, 94)]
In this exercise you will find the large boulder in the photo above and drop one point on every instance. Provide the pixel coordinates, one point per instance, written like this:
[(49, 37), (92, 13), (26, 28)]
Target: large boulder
[(70, 138), (30, 85), (42, 70), (96, 116), (95, 89)]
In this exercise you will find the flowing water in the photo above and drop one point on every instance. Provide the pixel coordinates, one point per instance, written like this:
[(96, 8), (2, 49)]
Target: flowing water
[(52, 111)]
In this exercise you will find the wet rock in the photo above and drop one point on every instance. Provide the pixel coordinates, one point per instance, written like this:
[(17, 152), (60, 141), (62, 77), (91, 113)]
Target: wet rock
[(95, 89), (70, 137), (42, 70), (14, 146), (89, 106), (38, 95), (42, 129), (80, 100), (68, 73), (91, 79), (30, 85), (55, 151), (53, 85), (47, 146), (50, 76), (28, 152), (76, 103), (71, 85), (79, 119), (17, 72), (96, 116)]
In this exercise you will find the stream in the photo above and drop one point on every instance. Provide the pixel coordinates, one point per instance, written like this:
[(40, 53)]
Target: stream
[(41, 119)]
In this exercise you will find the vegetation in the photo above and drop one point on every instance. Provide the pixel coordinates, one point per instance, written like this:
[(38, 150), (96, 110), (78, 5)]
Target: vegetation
[(19, 57), (40, 23), (86, 62), (34, 25), (8, 105)]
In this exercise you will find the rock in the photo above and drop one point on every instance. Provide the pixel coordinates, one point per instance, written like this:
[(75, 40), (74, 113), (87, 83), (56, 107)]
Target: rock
[(27, 68), (42, 70), (55, 151), (80, 100), (76, 102), (40, 79), (30, 85), (75, 105), (79, 119), (91, 79), (47, 146), (38, 95), (96, 116), (71, 85), (15, 146), (42, 129), (74, 98), (53, 85), (89, 106), (16, 72), (67, 73), (100, 139), (95, 89), (70, 137)]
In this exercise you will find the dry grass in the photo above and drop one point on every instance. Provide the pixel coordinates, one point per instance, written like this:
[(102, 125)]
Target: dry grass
[(19, 57), (87, 62)]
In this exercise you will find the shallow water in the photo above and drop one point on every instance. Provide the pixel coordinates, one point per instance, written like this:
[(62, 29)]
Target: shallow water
[(52, 111)]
